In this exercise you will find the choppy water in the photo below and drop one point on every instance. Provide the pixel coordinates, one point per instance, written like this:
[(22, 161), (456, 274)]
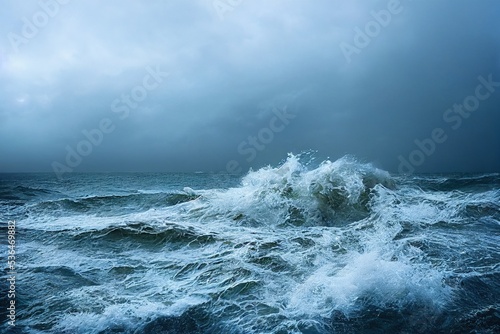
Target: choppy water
[(341, 247)]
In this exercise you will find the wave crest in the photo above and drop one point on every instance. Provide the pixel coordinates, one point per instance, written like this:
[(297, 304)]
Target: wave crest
[(292, 193)]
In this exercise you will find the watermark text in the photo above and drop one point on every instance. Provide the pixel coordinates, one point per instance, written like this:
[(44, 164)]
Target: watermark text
[(11, 267)]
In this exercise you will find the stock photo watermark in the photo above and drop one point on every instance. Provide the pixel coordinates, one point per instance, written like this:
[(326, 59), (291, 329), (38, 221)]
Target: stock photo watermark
[(222, 7), (250, 147), (454, 117), (11, 272), (32, 25), (371, 30), (120, 106)]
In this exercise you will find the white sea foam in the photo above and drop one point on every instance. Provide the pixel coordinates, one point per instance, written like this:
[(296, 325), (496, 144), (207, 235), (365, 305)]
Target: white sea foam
[(368, 279)]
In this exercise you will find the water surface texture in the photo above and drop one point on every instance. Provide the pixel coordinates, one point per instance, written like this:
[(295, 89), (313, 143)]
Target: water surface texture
[(331, 247)]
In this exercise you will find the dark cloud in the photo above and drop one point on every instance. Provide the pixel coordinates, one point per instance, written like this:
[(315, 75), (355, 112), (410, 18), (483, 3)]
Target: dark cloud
[(226, 76)]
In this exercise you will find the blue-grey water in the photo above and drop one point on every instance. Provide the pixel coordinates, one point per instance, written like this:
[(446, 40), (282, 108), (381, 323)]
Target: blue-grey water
[(335, 247)]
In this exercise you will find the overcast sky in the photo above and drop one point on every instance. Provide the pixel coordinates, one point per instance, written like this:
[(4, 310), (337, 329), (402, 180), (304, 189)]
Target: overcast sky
[(248, 81)]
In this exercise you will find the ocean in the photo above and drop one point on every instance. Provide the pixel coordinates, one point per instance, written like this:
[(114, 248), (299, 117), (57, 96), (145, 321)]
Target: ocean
[(302, 247)]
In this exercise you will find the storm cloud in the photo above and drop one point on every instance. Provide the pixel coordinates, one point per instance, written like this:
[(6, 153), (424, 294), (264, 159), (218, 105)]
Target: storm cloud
[(217, 85)]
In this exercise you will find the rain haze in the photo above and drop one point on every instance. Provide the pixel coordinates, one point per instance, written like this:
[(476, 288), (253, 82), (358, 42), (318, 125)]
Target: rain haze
[(204, 85)]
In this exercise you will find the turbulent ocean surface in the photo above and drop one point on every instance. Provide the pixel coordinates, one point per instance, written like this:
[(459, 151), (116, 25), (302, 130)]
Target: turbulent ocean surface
[(303, 247)]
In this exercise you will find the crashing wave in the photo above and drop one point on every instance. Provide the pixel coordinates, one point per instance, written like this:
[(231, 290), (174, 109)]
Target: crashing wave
[(291, 193)]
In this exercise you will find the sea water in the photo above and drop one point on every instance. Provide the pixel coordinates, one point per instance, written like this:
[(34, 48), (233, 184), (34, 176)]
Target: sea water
[(331, 247)]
